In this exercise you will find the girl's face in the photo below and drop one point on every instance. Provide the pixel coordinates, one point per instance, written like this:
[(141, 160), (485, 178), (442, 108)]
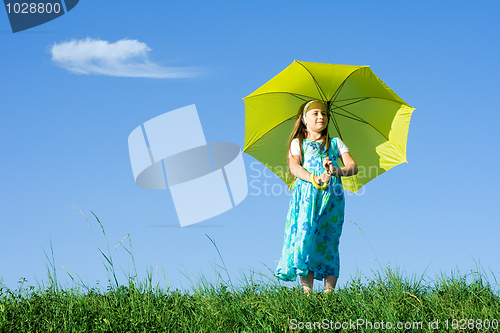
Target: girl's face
[(316, 118)]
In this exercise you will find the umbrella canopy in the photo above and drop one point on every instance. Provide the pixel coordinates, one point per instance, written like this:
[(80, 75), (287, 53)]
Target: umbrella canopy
[(364, 112)]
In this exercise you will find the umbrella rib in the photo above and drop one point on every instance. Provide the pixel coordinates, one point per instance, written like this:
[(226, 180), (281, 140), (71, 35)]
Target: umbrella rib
[(339, 89), (359, 100), (357, 117), (282, 92), (321, 93), (352, 118), (364, 121), (264, 134), (375, 97), (334, 121), (345, 80), (297, 95)]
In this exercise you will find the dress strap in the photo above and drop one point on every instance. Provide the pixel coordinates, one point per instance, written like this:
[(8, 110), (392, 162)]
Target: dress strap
[(334, 147)]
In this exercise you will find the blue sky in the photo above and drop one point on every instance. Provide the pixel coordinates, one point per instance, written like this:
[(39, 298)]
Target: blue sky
[(64, 135)]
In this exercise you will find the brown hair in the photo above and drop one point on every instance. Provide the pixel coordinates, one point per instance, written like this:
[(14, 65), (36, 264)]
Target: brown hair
[(300, 132)]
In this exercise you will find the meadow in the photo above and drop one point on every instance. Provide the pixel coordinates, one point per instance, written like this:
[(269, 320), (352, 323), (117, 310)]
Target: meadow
[(387, 301)]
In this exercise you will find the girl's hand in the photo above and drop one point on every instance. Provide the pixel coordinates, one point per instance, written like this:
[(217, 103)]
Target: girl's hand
[(323, 178), (328, 165)]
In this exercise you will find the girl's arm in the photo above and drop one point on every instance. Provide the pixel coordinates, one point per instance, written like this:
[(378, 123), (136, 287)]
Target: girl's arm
[(350, 167), (298, 171)]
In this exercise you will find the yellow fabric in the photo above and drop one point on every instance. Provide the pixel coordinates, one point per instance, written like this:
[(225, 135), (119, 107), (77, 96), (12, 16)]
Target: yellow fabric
[(372, 120)]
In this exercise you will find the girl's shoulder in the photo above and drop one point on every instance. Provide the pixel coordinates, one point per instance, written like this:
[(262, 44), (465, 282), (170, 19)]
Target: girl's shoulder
[(294, 143), (294, 147)]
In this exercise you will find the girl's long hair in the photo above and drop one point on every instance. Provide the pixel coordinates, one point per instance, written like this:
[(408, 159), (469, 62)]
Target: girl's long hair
[(300, 132)]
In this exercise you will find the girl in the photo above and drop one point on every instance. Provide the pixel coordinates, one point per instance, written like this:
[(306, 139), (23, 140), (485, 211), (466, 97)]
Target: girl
[(316, 213)]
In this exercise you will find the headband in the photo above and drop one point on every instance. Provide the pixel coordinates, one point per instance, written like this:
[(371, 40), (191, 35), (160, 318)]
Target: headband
[(305, 110)]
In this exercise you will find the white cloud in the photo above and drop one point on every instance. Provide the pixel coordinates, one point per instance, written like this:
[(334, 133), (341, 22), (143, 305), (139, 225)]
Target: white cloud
[(125, 57)]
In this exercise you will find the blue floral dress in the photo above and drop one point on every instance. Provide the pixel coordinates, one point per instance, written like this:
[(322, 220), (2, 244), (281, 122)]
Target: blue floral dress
[(314, 221)]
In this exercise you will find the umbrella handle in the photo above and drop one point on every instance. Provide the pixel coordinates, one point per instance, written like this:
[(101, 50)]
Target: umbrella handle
[(313, 181), (319, 187)]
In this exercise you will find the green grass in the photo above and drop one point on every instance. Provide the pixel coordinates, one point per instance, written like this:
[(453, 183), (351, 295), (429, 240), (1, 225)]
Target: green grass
[(259, 304)]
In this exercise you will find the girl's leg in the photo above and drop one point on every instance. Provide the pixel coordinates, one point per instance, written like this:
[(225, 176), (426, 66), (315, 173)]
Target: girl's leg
[(307, 282), (330, 282)]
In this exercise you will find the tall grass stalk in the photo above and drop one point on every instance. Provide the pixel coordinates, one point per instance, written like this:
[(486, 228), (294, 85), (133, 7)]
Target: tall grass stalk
[(52, 277), (222, 260)]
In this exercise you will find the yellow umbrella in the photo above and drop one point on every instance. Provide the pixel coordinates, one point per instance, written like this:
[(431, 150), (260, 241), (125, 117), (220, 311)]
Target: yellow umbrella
[(365, 113)]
